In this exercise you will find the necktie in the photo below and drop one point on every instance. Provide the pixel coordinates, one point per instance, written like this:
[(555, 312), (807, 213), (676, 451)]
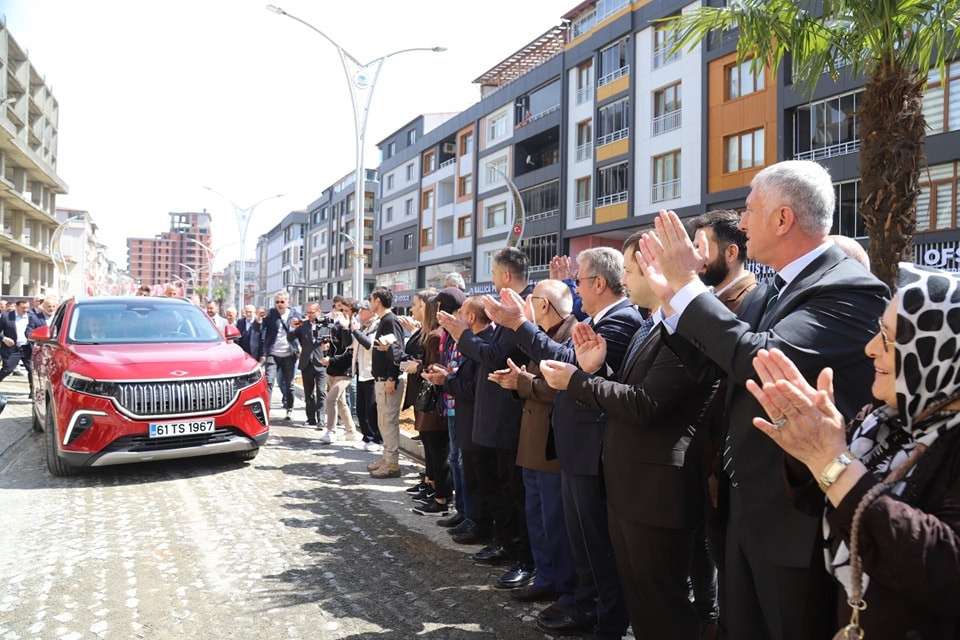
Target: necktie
[(642, 332), (774, 293)]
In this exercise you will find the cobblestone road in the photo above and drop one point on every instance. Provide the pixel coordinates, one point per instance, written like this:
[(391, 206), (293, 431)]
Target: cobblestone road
[(300, 543)]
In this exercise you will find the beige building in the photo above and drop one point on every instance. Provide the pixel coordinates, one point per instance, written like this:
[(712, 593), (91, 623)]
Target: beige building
[(29, 182)]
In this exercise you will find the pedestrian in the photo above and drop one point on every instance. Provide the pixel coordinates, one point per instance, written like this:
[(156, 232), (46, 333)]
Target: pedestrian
[(171, 290), (454, 279), (314, 341), (338, 360), (16, 347), (231, 316), (389, 382), (364, 331), (143, 290), (213, 312), (280, 349), (245, 326), (821, 310)]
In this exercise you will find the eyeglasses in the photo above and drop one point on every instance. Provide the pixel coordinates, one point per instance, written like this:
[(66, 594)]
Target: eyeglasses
[(883, 335), (548, 302), (280, 301), (577, 281)]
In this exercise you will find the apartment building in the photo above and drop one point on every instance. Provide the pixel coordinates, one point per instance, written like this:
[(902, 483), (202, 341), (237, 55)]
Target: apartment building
[(331, 234), (180, 254), (281, 256), (231, 279), (599, 126), (29, 184)]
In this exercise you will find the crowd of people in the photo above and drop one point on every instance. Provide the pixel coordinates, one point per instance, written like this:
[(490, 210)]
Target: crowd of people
[(17, 321), (652, 438)]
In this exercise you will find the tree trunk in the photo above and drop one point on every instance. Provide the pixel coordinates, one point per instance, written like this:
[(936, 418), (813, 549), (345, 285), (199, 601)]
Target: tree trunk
[(892, 130)]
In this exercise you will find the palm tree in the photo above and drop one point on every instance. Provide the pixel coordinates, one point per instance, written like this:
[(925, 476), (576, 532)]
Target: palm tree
[(894, 44)]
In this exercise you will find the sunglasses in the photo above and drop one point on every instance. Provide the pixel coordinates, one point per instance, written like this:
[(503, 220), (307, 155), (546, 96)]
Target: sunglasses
[(577, 281)]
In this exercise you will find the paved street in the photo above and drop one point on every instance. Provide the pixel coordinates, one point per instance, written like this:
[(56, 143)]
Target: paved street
[(298, 544)]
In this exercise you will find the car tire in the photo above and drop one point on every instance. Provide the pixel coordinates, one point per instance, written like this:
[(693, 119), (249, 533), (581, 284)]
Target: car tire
[(55, 465), (246, 456), (36, 424)]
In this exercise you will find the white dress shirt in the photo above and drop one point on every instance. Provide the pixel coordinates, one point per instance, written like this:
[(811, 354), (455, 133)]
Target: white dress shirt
[(599, 316), (21, 322)]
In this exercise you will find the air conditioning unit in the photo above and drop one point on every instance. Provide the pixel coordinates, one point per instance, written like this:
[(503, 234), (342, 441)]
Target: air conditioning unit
[(449, 148)]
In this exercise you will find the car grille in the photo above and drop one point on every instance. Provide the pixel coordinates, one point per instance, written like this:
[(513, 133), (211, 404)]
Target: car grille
[(176, 398), (143, 443)]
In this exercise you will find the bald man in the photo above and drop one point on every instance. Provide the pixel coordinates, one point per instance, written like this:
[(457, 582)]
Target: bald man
[(853, 249)]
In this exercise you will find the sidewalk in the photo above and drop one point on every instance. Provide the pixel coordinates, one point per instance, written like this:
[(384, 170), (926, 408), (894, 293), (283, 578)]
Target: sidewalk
[(15, 420)]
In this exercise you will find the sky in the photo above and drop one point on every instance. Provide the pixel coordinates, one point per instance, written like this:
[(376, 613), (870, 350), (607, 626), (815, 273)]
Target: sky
[(161, 98)]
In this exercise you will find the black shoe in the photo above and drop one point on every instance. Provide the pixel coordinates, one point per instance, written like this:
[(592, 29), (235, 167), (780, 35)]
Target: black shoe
[(492, 556), (466, 526), (432, 509), (519, 575), (553, 612), (475, 535), (533, 593), (452, 520), (564, 625), (416, 489), (425, 497)]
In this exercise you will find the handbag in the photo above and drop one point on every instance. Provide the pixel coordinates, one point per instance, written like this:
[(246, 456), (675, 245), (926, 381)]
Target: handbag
[(427, 398)]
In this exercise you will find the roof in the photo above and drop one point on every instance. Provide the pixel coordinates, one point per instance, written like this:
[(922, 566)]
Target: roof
[(528, 57), (580, 8)]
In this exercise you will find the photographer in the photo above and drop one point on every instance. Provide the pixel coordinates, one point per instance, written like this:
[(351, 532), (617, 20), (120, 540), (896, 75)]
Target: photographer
[(313, 336), (338, 360)]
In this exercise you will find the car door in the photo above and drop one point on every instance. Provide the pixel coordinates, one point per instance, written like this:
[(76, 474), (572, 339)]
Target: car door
[(43, 352)]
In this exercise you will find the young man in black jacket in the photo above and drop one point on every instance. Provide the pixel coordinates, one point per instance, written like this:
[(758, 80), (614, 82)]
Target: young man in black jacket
[(389, 382)]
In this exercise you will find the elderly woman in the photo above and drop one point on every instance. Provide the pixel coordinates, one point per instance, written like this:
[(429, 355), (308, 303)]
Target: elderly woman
[(891, 524)]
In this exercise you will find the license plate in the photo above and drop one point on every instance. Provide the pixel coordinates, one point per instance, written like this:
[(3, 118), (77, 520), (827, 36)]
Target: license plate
[(190, 428)]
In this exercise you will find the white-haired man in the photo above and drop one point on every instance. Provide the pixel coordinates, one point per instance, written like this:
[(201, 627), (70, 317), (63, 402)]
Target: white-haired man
[(820, 309)]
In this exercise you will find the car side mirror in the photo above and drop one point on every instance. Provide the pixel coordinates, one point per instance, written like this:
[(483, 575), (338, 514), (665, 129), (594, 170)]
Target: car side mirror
[(40, 334), (230, 332)]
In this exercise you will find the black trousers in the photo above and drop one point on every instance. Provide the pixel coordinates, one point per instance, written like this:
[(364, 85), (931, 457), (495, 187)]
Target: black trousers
[(479, 505), (367, 412), (599, 595), (501, 483), (16, 356), (653, 564), (436, 449), (315, 394)]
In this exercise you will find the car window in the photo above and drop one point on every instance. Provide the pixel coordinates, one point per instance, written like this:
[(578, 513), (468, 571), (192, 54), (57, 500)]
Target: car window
[(57, 323), (149, 321)]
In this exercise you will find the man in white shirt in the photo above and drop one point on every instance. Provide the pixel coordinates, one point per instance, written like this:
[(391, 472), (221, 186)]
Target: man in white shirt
[(16, 348), (364, 331), (213, 312), (280, 350)]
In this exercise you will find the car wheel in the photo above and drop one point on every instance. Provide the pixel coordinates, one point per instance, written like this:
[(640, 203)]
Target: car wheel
[(55, 465), (246, 456)]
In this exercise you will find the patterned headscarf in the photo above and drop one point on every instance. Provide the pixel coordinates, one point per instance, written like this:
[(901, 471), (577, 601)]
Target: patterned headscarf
[(928, 376)]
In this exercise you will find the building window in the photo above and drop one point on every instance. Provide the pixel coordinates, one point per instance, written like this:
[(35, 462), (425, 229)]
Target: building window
[(496, 169), (429, 163), (408, 207), (666, 177), (742, 80), (426, 238), (497, 127), (743, 151), (407, 241), (465, 227), (465, 185), (612, 184), (411, 136), (941, 100), (323, 263), (466, 143), (387, 246), (427, 201), (663, 42), (613, 63), (410, 172), (827, 128), (666, 109), (391, 149), (937, 201), (540, 250), (846, 211), (389, 215), (496, 215), (390, 181), (584, 197), (613, 122), (542, 201), (585, 82), (584, 140)]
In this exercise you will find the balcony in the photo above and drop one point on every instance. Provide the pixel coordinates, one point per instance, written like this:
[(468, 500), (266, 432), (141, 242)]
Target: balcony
[(613, 198), (665, 191), (583, 210), (662, 56), (666, 122), (834, 150), (584, 94), (527, 117), (585, 152), (613, 137), (543, 215), (613, 75), (447, 163)]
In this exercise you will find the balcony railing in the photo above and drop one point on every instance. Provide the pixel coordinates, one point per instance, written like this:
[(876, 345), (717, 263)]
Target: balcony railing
[(447, 163), (613, 75), (662, 56), (665, 191), (666, 122), (584, 94), (613, 198), (613, 137), (602, 10), (832, 151), (543, 215), (584, 210), (528, 117), (585, 151)]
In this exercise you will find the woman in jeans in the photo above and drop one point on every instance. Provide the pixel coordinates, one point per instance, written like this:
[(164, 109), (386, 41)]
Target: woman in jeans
[(423, 349), (893, 475)]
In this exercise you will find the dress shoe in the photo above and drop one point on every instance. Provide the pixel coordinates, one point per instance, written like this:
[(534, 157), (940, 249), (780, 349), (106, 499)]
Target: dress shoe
[(519, 575), (452, 520), (563, 623), (533, 593), (491, 555), (464, 527)]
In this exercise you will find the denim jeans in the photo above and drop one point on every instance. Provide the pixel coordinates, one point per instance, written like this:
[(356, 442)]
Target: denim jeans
[(281, 370), (456, 471)]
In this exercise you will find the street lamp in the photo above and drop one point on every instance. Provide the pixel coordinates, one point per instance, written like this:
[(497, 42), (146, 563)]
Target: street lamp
[(519, 211), (243, 216), (56, 252), (192, 273), (211, 256), (361, 80)]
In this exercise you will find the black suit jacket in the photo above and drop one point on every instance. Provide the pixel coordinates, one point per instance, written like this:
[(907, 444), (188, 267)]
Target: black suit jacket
[(824, 317), (462, 385), (244, 326), (652, 412), (9, 330), (273, 328), (577, 426)]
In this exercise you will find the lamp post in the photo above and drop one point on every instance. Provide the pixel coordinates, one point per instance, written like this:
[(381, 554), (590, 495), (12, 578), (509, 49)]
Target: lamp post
[(60, 260), (361, 80), (192, 273), (243, 217), (519, 211), (211, 256)]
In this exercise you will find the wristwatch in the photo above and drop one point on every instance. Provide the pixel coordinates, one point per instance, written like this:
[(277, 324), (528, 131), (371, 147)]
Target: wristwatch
[(832, 471)]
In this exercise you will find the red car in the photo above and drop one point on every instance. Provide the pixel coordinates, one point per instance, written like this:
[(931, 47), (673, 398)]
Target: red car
[(119, 380)]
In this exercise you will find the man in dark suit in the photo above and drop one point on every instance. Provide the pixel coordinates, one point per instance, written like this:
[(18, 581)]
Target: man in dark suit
[(820, 310), (245, 325), (308, 336), (578, 433), (280, 346), (496, 428), (654, 501)]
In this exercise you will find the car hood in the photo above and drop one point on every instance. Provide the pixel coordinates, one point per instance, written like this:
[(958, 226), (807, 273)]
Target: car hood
[(163, 360)]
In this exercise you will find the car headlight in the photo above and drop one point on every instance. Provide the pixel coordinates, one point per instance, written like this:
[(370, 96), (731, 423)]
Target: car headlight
[(83, 384), (250, 378)]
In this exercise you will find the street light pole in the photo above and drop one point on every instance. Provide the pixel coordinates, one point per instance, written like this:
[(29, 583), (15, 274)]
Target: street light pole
[(243, 217), (519, 211), (211, 256), (361, 80)]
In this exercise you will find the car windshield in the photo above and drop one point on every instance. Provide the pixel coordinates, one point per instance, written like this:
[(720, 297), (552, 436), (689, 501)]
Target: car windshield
[(147, 321)]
